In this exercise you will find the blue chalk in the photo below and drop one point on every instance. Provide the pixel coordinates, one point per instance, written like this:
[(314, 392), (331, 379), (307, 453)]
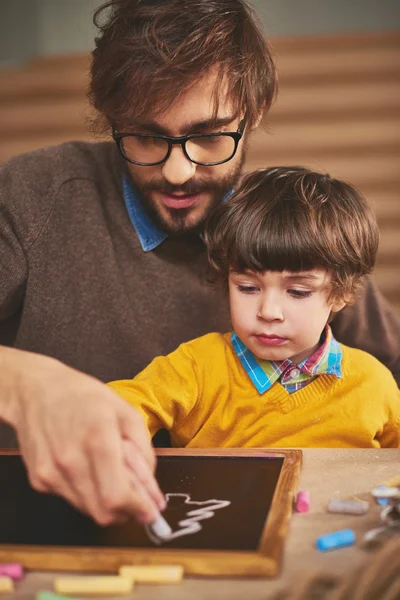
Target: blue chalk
[(336, 539), (382, 501)]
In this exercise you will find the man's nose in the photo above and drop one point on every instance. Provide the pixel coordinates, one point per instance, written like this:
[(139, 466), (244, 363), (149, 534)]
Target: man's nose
[(178, 169)]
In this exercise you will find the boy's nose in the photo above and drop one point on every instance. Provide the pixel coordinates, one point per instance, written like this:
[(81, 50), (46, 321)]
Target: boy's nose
[(270, 310), (178, 168)]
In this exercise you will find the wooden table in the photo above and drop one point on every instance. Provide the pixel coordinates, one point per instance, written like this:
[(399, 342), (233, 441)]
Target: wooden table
[(325, 473)]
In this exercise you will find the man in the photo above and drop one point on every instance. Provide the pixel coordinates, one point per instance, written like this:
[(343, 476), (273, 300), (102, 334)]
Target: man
[(87, 229)]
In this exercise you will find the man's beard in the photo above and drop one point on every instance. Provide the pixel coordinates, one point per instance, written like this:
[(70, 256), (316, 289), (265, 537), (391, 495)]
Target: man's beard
[(179, 221)]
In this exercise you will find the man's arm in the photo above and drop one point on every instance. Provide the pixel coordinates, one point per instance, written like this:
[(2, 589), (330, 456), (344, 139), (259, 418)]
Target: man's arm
[(74, 435), (371, 325)]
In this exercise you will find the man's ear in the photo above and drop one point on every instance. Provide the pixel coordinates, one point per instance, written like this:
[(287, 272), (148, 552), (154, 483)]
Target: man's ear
[(259, 119)]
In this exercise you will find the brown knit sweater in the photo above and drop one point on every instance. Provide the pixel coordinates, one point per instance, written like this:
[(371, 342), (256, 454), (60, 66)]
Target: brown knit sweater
[(76, 285)]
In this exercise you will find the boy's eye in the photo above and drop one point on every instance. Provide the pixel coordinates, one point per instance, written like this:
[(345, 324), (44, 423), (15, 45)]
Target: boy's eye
[(299, 293), (247, 289)]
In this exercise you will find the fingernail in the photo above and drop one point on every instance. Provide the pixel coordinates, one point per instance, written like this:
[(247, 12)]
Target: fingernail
[(145, 519)]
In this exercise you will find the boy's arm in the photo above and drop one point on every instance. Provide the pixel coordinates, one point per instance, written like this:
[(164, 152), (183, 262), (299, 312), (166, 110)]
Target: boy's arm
[(165, 391), (390, 436), (371, 325)]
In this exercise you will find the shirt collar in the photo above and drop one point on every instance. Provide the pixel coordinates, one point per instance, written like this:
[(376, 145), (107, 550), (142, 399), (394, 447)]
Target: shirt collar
[(149, 234), (327, 359)]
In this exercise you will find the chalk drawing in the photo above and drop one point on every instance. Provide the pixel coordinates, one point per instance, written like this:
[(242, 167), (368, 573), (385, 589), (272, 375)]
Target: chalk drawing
[(190, 525)]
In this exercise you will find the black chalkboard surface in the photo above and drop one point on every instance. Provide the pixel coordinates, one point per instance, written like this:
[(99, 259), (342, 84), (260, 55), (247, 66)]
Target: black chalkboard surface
[(223, 502)]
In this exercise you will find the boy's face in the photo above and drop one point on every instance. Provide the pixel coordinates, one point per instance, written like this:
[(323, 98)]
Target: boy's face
[(281, 315), (179, 193)]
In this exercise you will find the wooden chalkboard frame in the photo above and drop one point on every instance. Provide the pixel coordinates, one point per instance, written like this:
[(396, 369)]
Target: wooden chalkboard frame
[(266, 561)]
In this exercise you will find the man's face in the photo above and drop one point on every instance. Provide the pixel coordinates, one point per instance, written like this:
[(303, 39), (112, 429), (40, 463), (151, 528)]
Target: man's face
[(178, 193)]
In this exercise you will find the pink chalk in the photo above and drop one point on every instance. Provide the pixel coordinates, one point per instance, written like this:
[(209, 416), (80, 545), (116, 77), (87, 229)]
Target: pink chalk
[(13, 570), (303, 502)]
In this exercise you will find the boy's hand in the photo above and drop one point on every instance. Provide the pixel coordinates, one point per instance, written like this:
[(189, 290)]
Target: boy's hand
[(81, 441)]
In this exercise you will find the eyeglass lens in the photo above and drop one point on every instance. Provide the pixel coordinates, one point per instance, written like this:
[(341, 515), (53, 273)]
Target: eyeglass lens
[(207, 149)]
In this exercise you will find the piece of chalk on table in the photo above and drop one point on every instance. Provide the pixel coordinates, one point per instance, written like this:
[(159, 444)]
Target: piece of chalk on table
[(44, 595), (382, 501), (392, 481), (336, 539), (153, 573), (160, 528), (303, 502), (6, 585), (348, 506), (13, 570), (96, 585)]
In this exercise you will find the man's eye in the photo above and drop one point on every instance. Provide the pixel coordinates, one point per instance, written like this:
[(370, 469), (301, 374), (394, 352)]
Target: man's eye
[(148, 141), (299, 293), (247, 289)]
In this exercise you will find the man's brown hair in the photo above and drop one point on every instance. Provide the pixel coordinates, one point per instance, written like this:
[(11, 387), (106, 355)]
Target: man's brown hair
[(291, 218), (149, 52)]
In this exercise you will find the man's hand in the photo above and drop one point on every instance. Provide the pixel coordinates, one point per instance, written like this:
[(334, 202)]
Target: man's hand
[(78, 439)]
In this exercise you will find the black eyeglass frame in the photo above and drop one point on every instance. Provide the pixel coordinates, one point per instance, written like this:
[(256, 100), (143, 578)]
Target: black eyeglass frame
[(235, 135)]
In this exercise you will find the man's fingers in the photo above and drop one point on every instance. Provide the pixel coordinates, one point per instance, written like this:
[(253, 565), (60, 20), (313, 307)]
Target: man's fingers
[(139, 500), (136, 463), (113, 483), (134, 429), (67, 475)]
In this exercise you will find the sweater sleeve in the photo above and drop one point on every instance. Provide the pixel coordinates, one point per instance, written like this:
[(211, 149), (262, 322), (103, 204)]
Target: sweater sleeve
[(26, 200), (390, 436), (165, 392), (371, 325), (13, 266)]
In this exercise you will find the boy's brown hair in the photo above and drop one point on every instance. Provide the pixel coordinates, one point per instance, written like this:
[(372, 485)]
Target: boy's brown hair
[(149, 52), (291, 218)]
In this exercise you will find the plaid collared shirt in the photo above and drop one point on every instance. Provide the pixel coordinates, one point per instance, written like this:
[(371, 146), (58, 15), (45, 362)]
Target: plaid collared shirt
[(327, 359)]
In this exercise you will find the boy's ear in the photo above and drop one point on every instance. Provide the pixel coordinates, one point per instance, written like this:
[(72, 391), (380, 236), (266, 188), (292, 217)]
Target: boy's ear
[(338, 305)]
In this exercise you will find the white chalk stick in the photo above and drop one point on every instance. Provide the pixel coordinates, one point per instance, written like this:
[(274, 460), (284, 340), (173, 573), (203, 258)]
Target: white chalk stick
[(153, 573), (160, 528), (348, 506), (102, 585)]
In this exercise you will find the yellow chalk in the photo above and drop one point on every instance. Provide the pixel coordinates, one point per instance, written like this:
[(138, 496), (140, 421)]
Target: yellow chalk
[(103, 585), (153, 573), (6, 585), (393, 481)]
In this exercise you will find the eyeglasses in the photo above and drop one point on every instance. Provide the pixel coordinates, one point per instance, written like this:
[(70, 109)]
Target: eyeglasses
[(206, 149)]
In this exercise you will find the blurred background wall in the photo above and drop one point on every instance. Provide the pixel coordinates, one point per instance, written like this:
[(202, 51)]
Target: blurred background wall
[(31, 28), (338, 108)]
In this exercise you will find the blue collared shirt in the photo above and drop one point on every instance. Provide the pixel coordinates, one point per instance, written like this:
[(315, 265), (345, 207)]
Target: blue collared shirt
[(327, 359), (149, 234)]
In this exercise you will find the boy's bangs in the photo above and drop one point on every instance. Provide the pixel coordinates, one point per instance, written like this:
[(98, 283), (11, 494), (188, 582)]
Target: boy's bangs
[(272, 246)]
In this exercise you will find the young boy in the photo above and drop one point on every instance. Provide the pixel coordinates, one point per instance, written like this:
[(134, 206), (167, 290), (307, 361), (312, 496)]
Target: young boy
[(293, 247)]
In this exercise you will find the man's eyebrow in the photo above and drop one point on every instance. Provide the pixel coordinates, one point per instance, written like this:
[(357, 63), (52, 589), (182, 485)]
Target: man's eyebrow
[(189, 127)]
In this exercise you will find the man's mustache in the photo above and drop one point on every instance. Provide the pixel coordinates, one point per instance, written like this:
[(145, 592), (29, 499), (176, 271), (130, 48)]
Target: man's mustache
[(188, 188)]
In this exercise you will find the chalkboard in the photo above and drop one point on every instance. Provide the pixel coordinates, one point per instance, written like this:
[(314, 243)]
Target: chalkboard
[(227, 503)]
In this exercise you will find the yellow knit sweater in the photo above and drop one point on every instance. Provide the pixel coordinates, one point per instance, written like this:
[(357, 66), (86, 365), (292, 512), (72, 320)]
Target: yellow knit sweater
[(204, 397)]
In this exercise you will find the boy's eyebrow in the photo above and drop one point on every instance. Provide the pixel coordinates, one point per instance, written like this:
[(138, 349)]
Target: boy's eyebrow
[(245, 272), (302, 277), (189, 127)]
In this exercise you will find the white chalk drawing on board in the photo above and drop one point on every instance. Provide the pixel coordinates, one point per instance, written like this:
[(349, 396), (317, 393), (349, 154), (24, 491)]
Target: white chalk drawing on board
[(190, 525)]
